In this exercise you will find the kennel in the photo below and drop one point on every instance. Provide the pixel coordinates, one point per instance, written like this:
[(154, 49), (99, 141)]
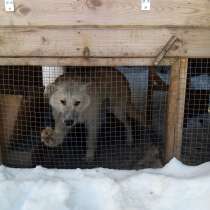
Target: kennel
[(159, 53)]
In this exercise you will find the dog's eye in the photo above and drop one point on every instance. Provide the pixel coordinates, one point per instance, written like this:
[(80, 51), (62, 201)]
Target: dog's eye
[(63, 102), (77, 103)]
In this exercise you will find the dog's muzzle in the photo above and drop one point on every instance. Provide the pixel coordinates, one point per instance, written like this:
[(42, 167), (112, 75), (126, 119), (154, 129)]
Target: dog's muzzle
[(71, 120)]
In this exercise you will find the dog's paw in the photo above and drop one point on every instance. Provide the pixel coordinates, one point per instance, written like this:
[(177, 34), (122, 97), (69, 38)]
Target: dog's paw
[(47, 137)]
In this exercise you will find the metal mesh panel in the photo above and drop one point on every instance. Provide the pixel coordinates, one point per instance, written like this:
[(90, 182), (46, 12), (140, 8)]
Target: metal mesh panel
[(196, 131), (124, 107)]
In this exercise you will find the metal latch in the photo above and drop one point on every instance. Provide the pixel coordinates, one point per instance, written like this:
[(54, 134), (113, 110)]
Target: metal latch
[(165, 49)]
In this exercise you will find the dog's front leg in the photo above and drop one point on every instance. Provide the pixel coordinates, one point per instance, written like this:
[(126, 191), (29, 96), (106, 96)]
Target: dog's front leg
[(53, 137)]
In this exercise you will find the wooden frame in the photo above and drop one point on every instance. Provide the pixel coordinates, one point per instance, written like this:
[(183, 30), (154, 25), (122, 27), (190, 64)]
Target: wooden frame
[(110, 33), (176, 92)]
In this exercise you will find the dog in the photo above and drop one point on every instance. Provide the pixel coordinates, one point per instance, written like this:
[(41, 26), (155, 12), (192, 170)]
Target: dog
[(77, 97)]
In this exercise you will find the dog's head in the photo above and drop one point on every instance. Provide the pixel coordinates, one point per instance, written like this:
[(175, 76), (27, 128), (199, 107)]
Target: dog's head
[(69, 100)]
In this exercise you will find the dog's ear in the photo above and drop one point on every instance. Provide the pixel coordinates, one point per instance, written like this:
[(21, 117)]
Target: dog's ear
[(50, 89), (86, 87)]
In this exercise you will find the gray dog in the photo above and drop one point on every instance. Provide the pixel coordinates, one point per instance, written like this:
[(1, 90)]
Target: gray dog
[(77, 97)]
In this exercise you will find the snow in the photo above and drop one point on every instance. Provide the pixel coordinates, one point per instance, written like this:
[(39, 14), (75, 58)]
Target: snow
[(176, 186)]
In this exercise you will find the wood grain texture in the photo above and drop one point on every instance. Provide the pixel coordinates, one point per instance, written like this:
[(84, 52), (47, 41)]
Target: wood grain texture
[(57, 61), (175, 109), (9, 108), (106, 13), (172, 111), (109, 43), (181, 107)]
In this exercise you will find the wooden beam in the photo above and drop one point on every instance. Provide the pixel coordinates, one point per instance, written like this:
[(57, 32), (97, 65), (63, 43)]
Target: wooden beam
[(59, 61), (106, 13), (110, 43), (171, 116), (175, 109), (181, 107)]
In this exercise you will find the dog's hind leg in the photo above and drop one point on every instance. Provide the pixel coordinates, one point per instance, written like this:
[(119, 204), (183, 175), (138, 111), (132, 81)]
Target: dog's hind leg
[(92, 123)]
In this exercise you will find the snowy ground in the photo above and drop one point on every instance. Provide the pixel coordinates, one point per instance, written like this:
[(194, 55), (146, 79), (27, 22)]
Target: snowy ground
[(173, 187)]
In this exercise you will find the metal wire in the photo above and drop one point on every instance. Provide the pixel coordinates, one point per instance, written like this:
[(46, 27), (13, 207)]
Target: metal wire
[(25, 112), (196, 131)]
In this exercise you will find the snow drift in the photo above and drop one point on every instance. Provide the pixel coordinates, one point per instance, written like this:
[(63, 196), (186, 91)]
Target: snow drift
[(173, 187)]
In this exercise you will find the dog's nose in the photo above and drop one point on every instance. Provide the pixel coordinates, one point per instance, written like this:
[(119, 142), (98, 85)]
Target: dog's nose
[(69, 122)]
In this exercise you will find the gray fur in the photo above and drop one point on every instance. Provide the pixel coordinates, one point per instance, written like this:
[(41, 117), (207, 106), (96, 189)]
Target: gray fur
[(90, 95)]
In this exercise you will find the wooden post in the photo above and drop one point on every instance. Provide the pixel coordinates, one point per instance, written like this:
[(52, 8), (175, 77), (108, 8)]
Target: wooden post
[(181, 106), (175, 109)]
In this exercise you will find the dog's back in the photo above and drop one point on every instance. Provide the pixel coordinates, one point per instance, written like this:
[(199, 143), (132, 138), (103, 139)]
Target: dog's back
[(104, 82)]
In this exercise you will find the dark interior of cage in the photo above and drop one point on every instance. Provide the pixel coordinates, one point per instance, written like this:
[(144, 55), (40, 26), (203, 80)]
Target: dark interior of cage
[(196, 129), (25, 112)]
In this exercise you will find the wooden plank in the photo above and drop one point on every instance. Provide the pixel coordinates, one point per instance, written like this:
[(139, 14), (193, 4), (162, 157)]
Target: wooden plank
[(9, 108), (106, 13), (175, 109), (56, 61), (181, 107), (135, 43), (172, 109)]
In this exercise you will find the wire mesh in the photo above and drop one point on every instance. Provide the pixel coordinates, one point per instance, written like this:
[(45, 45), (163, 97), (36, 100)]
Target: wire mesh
[(196, 131), (50, 116)]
